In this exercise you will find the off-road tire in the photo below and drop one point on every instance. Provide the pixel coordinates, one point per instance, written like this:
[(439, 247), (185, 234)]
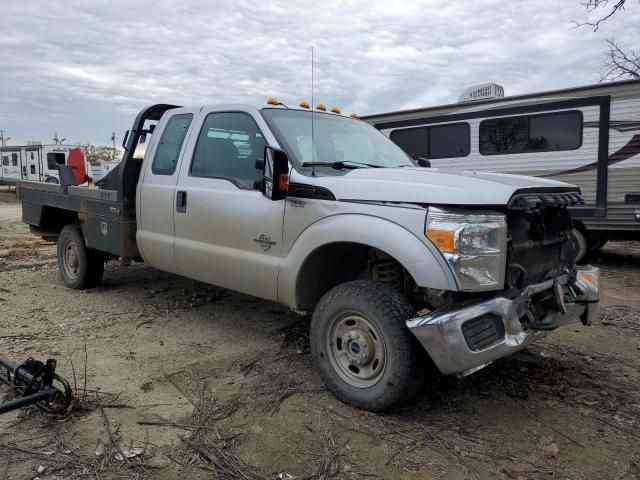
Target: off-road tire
[(405, 367), (86, 268)]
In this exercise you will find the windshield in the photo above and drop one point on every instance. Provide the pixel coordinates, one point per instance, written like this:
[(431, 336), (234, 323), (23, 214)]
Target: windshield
[(335, 139)]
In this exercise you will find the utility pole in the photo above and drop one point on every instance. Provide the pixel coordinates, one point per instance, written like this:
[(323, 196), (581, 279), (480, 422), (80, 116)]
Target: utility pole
[(113, 139), (3, 139)]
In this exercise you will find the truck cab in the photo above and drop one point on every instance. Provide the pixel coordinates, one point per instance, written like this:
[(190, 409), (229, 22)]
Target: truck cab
[(402, 268)]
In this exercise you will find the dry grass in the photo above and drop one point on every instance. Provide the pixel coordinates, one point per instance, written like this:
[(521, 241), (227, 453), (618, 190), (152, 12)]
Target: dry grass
[(622, 317), (267, 382), (59, 455)]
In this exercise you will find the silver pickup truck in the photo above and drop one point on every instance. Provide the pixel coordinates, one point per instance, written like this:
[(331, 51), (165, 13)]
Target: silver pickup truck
[(401, 267)]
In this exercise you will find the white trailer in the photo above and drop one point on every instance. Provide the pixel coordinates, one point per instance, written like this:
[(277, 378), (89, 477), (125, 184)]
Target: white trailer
[(97, 172), (588, 136), (35, 162)]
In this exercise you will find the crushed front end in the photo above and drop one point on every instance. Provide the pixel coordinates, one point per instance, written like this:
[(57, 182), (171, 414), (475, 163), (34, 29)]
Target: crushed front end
[(542, 288)]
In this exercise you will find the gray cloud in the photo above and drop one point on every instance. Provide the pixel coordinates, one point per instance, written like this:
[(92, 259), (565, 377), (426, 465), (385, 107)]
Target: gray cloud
[(85, 68)]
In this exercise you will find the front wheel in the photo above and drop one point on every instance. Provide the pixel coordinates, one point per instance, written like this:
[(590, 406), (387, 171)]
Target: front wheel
[(362, 347), (79, 266)]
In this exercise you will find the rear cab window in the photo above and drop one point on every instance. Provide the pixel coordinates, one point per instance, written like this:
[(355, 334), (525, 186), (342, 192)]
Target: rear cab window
[(168, 150)]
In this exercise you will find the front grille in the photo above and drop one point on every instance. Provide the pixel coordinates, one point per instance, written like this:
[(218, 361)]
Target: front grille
[(534, 262), (539, 244), (482, 332), (527, 202)]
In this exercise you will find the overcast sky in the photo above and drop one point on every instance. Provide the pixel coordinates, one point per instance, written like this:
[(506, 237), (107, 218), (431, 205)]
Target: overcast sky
[(84, 68)]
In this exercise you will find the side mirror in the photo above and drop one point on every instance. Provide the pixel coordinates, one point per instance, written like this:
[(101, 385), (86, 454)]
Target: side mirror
[(423, 162), (275, 168)]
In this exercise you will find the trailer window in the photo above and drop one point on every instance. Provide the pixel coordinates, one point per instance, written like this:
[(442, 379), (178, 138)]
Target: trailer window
[(5, 160), (438, 141), (447, 141), (413, 141), (228, 146), (53, 160), (531, 133), (167, 153), (559, 131)]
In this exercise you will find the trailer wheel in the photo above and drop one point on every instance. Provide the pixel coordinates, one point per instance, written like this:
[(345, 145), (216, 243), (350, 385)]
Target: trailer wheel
[(362, 347), (595, 242), (79, 266), (580, 244)]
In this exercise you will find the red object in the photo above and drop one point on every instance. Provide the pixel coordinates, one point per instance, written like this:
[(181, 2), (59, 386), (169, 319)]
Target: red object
[(77, 161)]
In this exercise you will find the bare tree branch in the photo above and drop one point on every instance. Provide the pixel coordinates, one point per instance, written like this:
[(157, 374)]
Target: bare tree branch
[(620, 64), (593, 5)]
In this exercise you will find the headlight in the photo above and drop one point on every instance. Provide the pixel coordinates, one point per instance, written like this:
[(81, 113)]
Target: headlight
[(473, 244)]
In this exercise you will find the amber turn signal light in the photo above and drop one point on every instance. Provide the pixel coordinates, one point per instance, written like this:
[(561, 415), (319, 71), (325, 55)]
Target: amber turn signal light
[(283, 182), (444, 239)]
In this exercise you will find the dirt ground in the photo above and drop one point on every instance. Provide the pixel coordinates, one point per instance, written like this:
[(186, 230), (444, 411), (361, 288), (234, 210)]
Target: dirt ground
[(209, 383)]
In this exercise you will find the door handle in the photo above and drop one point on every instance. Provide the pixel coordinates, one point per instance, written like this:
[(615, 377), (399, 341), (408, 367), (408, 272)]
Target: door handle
[(181, 201)]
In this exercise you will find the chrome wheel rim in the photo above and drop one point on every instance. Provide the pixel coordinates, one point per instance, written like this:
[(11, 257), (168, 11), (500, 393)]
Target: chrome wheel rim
[(70, 259), (356, 349)]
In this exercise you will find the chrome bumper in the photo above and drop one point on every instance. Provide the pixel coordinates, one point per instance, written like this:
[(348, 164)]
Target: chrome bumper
[(446, 335)]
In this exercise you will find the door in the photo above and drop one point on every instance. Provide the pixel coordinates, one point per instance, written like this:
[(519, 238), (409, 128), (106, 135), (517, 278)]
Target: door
[(227, 233), (31, 165), (156, 191), (11, 165)]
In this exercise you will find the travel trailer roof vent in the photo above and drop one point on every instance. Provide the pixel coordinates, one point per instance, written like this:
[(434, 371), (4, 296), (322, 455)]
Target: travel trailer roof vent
[(483, 91), (34, 143)]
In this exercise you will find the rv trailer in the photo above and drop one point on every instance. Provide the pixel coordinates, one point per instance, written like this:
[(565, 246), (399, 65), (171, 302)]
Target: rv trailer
[(35, 162), (588, 136)]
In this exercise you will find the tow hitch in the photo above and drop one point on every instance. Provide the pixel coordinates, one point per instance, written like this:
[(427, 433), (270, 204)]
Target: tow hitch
[(37, 384)]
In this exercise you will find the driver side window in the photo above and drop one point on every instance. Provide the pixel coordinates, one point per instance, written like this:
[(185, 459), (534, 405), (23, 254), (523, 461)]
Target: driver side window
[(228, 146)]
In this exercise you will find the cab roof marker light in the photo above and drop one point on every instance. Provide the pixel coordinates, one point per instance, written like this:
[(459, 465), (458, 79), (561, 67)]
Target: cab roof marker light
[(355, 115), (335, 110), (272, 101), (322, 107), (304, 104)]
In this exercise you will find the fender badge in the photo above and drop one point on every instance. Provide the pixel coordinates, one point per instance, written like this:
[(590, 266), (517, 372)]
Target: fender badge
[(264, 241), (104, 228)]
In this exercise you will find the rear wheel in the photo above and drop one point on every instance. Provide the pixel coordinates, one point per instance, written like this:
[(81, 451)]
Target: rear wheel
[(362, 347), (79, 266)]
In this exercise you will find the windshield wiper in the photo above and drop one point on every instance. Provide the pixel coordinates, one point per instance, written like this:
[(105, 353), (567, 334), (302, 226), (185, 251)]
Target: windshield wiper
[(340, 165)]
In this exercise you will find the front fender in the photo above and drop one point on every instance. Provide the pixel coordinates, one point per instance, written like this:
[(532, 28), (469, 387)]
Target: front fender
[(417, 255)]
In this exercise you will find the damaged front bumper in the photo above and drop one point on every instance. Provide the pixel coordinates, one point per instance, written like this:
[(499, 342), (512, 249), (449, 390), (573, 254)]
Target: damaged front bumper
[(464, 340)]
